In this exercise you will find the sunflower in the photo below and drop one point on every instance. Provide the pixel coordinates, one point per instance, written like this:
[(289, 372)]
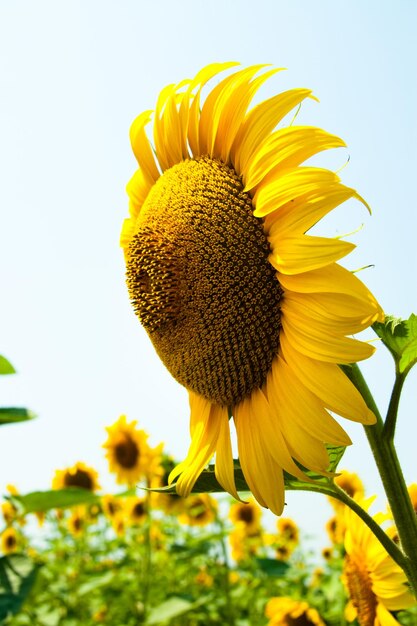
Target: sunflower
[(136, 509), (111, 505), (375, 584), (245, 514), (9, 540), (128, 453), (77, 521), (247, 311), (79, 475), (199, 510), (245, 543), (288, 612)]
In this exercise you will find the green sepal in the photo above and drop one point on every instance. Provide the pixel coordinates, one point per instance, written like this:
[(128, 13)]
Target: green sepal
[(400, 337), (5, 366), (40, 501), (11, 415)]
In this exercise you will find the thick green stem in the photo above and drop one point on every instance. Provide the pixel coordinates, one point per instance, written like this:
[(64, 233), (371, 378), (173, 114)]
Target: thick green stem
[(391, 474), (391, 419), (226, 584)]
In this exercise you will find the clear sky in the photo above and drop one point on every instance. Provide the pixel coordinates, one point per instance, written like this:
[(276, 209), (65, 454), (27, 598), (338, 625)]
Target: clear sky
[(73, 76)]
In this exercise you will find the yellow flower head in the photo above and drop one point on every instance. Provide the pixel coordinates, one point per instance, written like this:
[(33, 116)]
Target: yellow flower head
[(77, 521), (288, 529), (200, 510), (128, 453), (79, 475), (247, 310), (136, 509), (246, 514), (111, 505), (375, 584), (288, 612), (245, 543), (9, 540)]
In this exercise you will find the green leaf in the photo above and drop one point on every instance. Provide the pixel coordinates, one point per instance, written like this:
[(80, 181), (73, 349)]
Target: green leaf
[(400, 337), (207, 482), (272, 567), (173, 607), (11, 415), (38, 501), (17, 576), (5, 366)]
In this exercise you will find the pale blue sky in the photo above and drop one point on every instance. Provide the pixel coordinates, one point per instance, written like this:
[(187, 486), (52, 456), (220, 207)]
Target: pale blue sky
[(73, 75)]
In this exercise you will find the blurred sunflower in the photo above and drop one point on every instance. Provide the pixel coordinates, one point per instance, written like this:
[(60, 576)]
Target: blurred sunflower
[(77, 521), (247, 311), (79, 475), (288, 612), (9, 540), (199, 510), (247, 514), (170, 503), (111, 505), (128, 453), (376, 585), (288, 529), (245, 543), (136, 509)]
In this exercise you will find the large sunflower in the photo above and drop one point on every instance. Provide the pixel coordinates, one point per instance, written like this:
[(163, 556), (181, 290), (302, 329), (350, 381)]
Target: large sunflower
[(247, 311)]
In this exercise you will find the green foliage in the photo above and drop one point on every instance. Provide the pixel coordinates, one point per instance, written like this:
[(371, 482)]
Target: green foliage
[(400, 337), (5, 366), (17, 576), (10, 415), (40, 501)]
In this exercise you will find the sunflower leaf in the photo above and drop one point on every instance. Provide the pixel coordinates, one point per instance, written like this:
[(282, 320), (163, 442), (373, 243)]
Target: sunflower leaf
[(17, 576), (38, 501), (400, 337), (10, 415), (5, 366), (272, 567)]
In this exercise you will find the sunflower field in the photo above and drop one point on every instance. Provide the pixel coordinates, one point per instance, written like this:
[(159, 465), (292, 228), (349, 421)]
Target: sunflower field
[(74, 555)]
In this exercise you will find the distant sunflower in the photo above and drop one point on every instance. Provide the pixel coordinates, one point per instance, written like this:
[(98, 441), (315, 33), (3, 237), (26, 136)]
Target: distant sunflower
[(246, 514), (79, 475), (128, 452), (136, 509), (289, 612), (375, 583), (199, 510), (247, 311), (9, 540), (77, 521)]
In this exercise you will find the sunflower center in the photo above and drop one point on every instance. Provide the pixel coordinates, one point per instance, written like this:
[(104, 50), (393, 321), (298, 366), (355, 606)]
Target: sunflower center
[(246, 515), (126, 453), (360, 590), (200, 281), (301, 620), (80, 478), (10, 542)]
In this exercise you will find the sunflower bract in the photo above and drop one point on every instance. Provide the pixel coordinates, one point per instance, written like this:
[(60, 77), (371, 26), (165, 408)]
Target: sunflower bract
[(247, 310)]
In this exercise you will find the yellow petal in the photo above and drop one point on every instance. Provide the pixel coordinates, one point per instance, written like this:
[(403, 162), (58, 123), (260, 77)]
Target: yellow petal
[(331, 348), (260, 122), (332, 279), (205, 427), (295, 255), (303, 212), (287, 148), (279, 190), (300, 408), (142, 148), (327, 382), (224, 469), (264, 476)]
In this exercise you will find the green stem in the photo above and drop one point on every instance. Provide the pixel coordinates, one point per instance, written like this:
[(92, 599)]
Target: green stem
[(147, 566), (391, 419), (335, 492), (229, 604), (391, 473)]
